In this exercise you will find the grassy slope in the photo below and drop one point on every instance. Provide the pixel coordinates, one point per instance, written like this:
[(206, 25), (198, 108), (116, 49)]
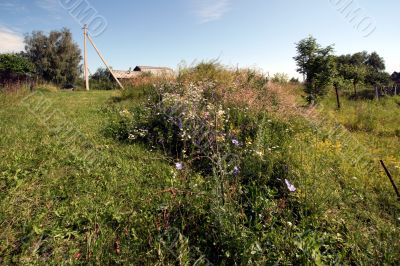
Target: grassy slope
[(52, 204)]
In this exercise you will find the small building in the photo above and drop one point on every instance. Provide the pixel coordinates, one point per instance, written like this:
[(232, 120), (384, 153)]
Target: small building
[(139, 70), (123, 74), (157, 71)]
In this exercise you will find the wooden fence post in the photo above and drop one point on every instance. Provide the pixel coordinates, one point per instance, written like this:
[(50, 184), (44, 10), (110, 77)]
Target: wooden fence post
[(391, 179), (337, 96), (376, 93)]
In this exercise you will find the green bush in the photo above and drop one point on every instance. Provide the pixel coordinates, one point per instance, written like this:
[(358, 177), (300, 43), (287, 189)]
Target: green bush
[(14, 64), (15, 72), (281, 78)]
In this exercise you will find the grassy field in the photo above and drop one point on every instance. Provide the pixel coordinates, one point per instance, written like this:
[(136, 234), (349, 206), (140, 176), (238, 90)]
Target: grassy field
[(54, 205), (125, 203)]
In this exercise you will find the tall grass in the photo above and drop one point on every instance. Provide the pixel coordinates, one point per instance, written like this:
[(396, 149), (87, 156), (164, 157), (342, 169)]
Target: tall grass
[(155, 200), (319, 223)]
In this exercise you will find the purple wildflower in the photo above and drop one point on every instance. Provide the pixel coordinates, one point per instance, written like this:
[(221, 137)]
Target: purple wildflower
[(290, 186), (236, 170), (179, 166), (235, 142)]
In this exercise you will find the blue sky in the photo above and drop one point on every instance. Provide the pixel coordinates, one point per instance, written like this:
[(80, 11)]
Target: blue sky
[(252, 33)]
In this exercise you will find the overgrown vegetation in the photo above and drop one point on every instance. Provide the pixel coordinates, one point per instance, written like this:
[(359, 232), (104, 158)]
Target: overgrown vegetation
[(14, 70), (249, 159), (102, 80), (191, 172), (218, 166)]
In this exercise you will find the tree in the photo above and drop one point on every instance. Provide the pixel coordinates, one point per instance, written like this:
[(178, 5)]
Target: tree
[(376, 62), (317, 65), (13, 66), (102, 74), (307, 50), (355, 73), (102, 80), (378, 78), (395, 77), (363, 68), (359, 59), (56, 56)]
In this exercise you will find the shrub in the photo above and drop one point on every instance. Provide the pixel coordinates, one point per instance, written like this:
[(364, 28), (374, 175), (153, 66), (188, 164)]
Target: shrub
[(102, 80), (295, 81), (281, 78), (15, 71)]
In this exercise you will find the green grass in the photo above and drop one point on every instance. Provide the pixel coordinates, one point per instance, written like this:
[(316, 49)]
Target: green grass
[(375, 124), (132, 207), (55, 207)]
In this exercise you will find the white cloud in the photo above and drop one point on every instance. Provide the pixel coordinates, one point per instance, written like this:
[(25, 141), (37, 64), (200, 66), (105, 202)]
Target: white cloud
[(10, 41), (210, 10)]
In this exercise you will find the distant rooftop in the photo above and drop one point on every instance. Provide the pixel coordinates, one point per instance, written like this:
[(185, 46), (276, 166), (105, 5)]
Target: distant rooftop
[(130, 74), (123, 74), (148, 68)]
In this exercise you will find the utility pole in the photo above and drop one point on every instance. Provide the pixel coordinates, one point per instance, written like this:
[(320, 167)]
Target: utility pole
[(85, 57), (104, 61)]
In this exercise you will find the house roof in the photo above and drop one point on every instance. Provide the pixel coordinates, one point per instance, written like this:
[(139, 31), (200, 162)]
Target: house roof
[(147, 68), (137, 71), (122, 74)]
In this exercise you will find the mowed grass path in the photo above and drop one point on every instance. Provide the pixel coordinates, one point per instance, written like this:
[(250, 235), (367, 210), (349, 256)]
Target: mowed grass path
[(56, 207)]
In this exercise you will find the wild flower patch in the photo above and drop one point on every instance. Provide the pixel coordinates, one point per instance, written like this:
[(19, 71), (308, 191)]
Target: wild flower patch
[(249, 184), (238, 152), (192, 125)]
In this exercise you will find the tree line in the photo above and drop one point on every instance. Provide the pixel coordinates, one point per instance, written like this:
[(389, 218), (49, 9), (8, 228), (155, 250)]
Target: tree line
[(322, 69), (53, 57), (56, 58)]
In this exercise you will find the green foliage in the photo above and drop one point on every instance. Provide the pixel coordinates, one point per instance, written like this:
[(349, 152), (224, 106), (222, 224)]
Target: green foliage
[(102, 80), (318, 66), (353, 73), (395, 77), (14, 64), (325, 72), (15, 72), (294, 81), (135, 207), (321, 69), (307, 50), (56, 56), (281, 78), (376, 62), (375, 78), (363, 68)]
